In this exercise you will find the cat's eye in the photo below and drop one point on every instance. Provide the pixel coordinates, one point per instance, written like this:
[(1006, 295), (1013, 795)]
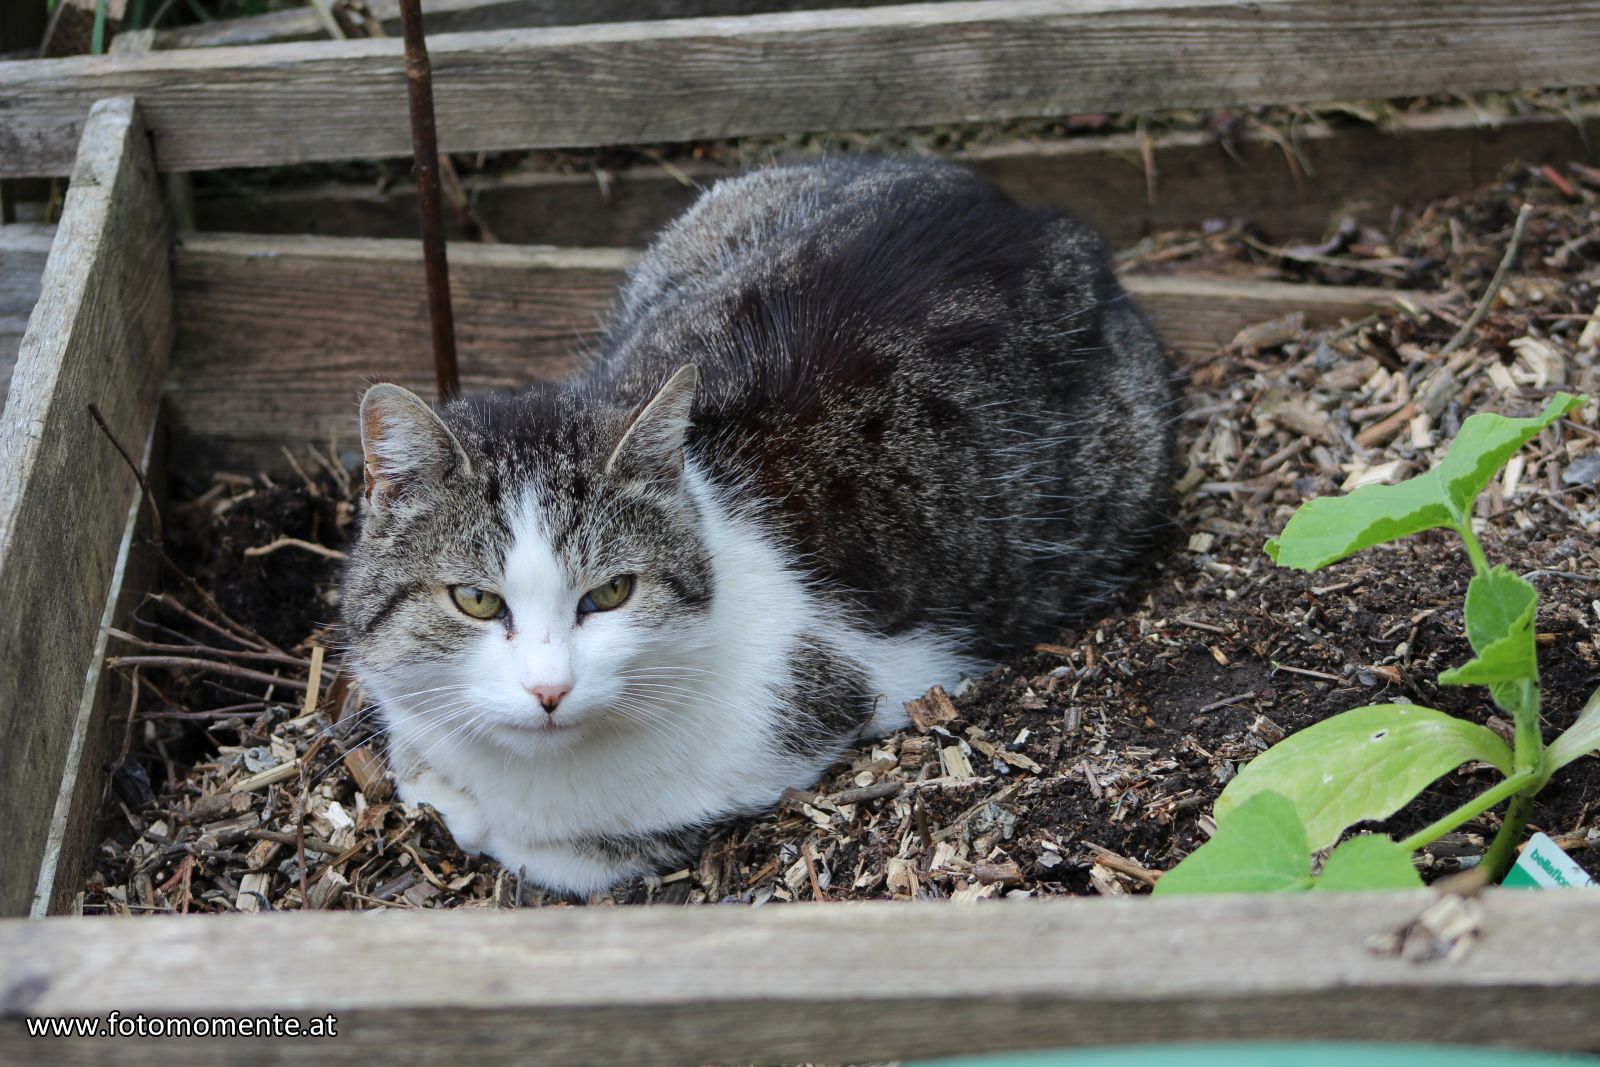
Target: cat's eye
[(479, 603), (612, 594)]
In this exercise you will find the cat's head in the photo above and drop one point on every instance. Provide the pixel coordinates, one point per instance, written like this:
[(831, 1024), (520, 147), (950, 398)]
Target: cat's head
[(530, 568)]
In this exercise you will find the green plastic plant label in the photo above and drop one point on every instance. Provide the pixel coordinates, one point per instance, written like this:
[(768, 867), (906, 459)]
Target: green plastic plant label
[(1543, 865)]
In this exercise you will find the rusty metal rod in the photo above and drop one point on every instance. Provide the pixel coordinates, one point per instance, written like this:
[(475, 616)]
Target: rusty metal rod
[(425, 169)]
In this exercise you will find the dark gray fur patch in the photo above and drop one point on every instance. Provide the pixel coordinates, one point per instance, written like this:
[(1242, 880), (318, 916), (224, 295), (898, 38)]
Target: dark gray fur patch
[(651, 850), (828, 699), (947, 402)]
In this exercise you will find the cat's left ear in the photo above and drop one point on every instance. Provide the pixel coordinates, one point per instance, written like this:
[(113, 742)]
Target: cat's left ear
[(404, 443), (652, 448)]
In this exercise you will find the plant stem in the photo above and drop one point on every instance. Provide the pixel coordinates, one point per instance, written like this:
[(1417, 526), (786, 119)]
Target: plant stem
[(1498, 859), (1480, 562), (1528, 741), (1510, 787)]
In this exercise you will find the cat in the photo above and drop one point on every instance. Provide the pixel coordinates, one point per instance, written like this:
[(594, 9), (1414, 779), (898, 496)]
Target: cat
[(854, 427)]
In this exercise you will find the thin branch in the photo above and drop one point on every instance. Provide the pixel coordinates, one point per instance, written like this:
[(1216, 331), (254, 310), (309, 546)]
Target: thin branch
[(295, 542), (1501, 273), (138, 472), (425, 169), (225, 653), (257, 642), (230, 669)]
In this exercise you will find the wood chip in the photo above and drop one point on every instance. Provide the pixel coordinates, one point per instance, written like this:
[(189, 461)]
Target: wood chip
[(1007, 873), (215, 806), (1382, 432), (933, 708), (271, 776), (371, 773)]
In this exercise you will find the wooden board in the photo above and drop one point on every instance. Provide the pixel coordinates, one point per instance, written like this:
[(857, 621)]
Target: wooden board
[(277, 336), (456, 16), (100, 333), (23, 250), (101, 725), (839, 69), (814, 983), (1291, 190)]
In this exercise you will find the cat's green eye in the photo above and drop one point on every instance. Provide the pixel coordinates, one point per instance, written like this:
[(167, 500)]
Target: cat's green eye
[(479, 603), (612, 594)]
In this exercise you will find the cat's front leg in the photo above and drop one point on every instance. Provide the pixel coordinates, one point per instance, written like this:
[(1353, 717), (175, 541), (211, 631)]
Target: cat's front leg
[(461, 813)]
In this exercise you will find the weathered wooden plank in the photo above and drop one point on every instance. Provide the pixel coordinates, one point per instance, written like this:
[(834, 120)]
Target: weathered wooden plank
[(24, 247), (101, 714), (278, 335), (843, 983), (1196, 314), (458, 16), (838, 69), (23, 250), (100, 333), (1290, 192)]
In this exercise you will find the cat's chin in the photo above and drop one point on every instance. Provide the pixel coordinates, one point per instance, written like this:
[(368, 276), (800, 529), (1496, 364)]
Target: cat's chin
[(537, 735)]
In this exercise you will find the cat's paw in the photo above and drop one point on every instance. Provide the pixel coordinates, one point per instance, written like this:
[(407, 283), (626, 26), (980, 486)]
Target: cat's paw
[(460, 812)]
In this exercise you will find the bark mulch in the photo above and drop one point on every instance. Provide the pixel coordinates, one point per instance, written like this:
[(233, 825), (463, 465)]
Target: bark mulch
[(1087, 764)]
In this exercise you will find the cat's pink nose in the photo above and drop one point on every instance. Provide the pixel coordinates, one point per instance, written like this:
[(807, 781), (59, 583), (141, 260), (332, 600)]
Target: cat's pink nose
[(549, 695)]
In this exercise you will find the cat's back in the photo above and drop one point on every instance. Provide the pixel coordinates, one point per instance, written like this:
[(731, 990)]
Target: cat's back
[(947, 397)]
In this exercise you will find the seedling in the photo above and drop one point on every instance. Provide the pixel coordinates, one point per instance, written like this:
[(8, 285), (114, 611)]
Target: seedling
[(1302, 794)]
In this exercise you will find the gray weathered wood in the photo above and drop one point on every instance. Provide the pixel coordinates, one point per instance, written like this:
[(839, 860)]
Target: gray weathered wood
[(100, 332), (278, 335), (457, 16), (95, 739), (838, 69), (1197, 314), (23, 250), (24, 247), (829, 983), (1289, 192)]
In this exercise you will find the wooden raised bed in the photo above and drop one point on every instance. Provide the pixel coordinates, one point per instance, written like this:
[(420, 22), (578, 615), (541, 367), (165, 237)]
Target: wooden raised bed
[(268, 340), (684, 79), (1294, 184)]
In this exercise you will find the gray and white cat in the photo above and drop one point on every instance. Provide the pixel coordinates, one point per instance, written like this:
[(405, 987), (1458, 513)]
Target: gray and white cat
[(855, 426)]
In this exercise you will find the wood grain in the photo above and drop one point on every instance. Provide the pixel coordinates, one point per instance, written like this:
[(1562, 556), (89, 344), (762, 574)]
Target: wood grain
[(457, 16), (838, 69), (277, 336), (829, 983), (1292, 185), (100, 332), (101, 724)]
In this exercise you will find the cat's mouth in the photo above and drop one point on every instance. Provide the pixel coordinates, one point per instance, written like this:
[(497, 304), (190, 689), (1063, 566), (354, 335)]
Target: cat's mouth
[(548, 726)]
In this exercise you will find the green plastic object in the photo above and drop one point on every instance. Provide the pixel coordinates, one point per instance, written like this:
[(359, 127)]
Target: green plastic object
[(1341, 1054)]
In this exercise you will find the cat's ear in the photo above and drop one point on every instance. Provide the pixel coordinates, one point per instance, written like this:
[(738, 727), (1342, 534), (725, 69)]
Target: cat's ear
[(651, 448), (404, 442)]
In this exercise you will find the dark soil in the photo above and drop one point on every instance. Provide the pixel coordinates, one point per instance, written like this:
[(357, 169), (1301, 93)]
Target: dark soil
[(1087, 764)]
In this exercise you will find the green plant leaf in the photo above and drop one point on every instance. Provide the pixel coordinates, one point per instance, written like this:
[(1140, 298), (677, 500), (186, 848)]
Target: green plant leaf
[(1500, 613), (1485, 442), (1370, 861), (1363, 764), (1329, 528), (1259, 848), (1579, 739)]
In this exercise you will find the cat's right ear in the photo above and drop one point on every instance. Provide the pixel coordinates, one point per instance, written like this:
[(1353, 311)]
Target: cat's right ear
[(404, 442)]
